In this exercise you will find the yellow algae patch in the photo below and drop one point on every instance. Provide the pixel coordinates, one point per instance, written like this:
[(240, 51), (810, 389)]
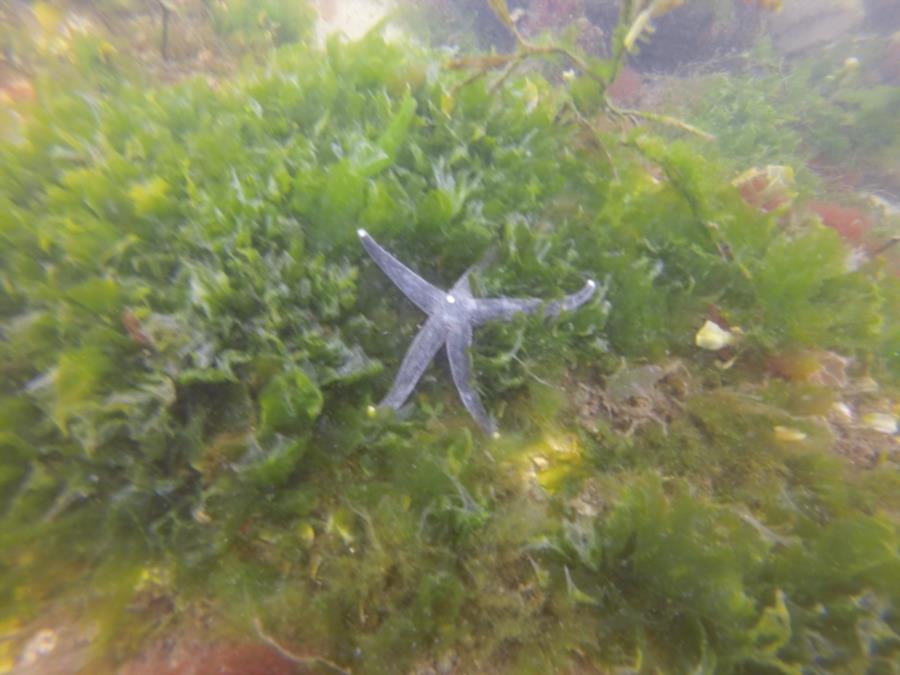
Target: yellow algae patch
[(551, 462), (307, 533), (149, 197), (341, 523)]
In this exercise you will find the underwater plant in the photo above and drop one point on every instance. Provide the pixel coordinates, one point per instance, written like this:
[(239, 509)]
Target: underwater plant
[(191, 336)]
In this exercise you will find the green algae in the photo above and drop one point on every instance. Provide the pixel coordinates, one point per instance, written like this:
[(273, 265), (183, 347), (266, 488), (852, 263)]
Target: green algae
[(191, 338)]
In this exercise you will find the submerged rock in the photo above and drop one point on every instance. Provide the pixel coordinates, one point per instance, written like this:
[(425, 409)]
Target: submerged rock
[(809, 23), (215, 659)]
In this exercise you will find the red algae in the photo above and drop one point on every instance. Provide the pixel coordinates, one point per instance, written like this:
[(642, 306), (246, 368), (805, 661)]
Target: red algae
[(216, 659), (544, 14), (890, 63), (626, 88), (767, 188), (851, 223), (17, 91)]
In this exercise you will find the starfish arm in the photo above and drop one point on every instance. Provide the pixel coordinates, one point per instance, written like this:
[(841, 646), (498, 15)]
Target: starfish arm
[(573, 301), (458, 342), (492, 309), (414, 287), (462, 288), (418, 356), (504, 308)]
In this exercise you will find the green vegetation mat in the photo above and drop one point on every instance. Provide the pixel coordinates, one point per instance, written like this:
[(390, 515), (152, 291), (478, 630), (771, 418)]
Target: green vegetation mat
[(191, 338)]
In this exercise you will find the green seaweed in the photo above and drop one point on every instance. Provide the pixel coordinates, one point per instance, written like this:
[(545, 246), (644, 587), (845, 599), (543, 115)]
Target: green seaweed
[(191, 339)]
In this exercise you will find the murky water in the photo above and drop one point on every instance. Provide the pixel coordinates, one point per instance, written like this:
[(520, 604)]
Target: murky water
[(449, 337)]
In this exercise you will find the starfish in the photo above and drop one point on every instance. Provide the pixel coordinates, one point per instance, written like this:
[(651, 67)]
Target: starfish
[(452, 315)]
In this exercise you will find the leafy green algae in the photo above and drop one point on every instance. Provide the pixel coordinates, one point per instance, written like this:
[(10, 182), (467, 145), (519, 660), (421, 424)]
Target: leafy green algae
[(191, 338)]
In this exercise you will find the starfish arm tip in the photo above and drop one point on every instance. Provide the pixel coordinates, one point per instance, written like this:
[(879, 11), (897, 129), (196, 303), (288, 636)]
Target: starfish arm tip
[(362, 233)]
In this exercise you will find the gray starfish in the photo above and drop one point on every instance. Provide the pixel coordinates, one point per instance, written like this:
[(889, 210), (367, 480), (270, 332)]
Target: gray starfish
[(451, 317)]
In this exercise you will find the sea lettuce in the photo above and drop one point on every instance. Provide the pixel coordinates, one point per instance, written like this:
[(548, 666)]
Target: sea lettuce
[(192, 344)]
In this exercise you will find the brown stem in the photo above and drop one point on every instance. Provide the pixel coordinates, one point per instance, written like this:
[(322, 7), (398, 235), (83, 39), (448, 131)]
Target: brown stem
[(504, 75), (293, 658), (595, 136), (526, 49), (886, 245), (659, 118), (164, 40)]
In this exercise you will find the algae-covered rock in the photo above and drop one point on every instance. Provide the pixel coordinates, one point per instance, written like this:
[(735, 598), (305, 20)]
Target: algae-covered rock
[(192, 341)]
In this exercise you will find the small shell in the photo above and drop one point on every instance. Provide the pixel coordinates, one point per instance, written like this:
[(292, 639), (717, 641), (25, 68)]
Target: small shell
[(843, 410), (713, 337), (43, 642), (201, 516), (540, 463), (883, 422), (788, 434)]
